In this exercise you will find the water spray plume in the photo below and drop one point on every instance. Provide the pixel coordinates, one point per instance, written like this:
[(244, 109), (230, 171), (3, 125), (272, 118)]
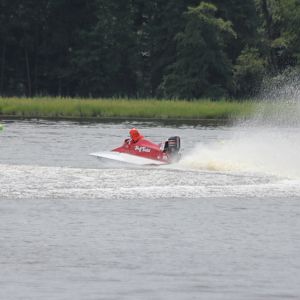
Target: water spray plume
[(279, 102), (268, 143)]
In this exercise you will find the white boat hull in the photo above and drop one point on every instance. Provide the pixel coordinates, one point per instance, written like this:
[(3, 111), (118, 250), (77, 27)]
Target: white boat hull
[(127, 158)]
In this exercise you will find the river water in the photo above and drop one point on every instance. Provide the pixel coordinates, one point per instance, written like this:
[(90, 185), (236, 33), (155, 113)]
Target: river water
[(221, 224)]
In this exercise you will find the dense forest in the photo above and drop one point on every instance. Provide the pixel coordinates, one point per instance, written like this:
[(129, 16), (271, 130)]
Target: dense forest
[(140, 48)]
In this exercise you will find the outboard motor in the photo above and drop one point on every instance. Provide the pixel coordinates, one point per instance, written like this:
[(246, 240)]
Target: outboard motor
[(172, 147)]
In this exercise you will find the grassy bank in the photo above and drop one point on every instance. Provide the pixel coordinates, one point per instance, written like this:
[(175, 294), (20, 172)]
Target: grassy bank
[(122, 108)]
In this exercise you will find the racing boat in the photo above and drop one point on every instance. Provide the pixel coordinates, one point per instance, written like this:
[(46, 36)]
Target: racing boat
[(144, 152)]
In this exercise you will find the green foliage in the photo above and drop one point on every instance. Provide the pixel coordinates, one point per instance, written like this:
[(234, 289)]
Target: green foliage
[(290, 34), (202, 67), (177, 48), (244, 19), (281, 33), (248, 72), (103, 57), (156, 23)]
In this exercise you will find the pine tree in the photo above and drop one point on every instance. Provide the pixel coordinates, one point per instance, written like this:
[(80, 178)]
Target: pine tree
[(202, 67)]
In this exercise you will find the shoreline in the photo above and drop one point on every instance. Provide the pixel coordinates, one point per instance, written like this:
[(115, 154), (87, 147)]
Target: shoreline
[(189, 121)]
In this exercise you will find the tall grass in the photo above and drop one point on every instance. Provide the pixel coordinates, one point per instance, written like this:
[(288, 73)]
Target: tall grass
[(122, 108)]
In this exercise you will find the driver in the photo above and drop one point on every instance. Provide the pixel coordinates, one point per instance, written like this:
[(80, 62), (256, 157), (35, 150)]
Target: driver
[(135, 135)]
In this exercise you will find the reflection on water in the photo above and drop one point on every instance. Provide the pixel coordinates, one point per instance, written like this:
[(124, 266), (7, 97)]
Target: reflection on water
[(74, 228)]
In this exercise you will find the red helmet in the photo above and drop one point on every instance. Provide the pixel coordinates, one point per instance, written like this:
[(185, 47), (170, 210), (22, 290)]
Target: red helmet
[(135, 135)]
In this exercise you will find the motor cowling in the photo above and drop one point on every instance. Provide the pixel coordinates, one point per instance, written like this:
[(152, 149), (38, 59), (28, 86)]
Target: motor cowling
[(172, 147)]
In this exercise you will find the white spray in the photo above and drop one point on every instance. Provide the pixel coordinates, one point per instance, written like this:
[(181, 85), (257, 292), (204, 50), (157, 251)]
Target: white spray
[(268, 143)]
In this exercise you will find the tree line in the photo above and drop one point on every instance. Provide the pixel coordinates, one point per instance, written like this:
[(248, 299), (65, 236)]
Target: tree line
[(139, 48)]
